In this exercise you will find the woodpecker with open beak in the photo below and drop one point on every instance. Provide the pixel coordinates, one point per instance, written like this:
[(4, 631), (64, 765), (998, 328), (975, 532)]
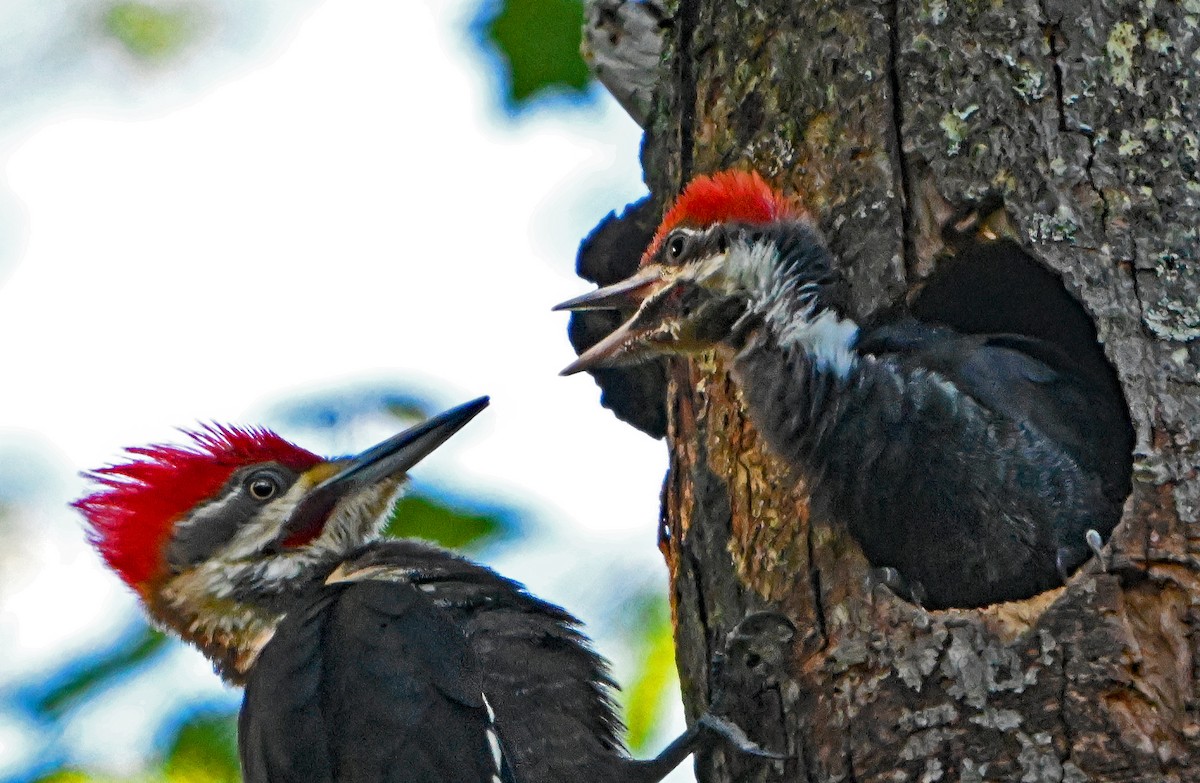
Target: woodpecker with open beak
[(363, 659), (980, 467)]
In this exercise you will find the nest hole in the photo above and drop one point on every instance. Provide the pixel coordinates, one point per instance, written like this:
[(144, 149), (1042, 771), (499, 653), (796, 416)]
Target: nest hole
[(999, 288)]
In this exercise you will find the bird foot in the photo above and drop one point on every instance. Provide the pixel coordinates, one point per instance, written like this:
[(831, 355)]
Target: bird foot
[(733, 734), (1069, 558), (701, 734), (754, 660), (1096, 544)]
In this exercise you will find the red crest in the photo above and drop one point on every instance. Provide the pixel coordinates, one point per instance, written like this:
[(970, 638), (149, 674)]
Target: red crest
[(723, 197), (131, 516)]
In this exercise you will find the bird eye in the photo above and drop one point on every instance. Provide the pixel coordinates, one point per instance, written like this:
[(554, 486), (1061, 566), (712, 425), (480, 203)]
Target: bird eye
[(262, 486), (675, 246)]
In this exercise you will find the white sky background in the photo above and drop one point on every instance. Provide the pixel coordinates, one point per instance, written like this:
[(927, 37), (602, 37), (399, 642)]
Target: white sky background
[(356, 209)]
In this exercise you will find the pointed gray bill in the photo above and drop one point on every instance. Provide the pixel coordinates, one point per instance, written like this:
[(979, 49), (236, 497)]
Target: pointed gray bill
[(627, 294), (392, 457), (623, 343)]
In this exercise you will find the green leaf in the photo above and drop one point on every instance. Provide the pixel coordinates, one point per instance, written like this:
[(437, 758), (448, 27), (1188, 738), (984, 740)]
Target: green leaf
[(108, 664), (205, 751), (539, 40), (148, 31), (418, 516), (646, 695)]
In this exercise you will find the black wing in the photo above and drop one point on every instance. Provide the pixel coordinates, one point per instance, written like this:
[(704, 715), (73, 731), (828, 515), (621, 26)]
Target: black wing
[(368, 682), (1023, 379)]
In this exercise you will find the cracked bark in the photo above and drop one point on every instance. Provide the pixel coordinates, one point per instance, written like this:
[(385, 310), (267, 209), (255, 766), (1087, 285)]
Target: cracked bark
[(902, 121)]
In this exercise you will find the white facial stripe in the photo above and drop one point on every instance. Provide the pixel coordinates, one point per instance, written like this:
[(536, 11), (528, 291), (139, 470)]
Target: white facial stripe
[(754, 266), (352, 522), (240, 566), (355, 520), (265, 526), (713, 272), (210, 511), (358, 518), (221, 604)]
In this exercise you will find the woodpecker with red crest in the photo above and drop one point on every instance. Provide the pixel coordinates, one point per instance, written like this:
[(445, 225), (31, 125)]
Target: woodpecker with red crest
[(363, 659), (981, 467)]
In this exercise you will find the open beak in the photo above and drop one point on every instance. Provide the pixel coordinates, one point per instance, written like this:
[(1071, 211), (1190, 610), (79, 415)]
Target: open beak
[(680, 316), (626, 344), (393, 457), (631, 341), (625, 295)]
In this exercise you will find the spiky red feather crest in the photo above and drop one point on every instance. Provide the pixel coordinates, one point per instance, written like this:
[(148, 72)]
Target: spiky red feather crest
[(131, 516), (723, 197)]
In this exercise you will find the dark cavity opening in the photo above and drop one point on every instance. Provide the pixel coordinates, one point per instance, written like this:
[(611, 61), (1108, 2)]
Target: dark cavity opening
[(998, 288)]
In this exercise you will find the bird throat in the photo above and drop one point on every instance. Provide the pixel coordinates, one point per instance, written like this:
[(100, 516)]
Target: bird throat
[(230, 632)]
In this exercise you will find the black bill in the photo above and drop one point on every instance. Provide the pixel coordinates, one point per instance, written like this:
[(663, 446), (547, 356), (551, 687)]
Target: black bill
[(392, 457)]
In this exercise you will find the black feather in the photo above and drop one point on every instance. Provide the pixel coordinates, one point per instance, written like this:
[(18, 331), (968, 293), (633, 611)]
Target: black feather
[(972, 463), (366, 682)]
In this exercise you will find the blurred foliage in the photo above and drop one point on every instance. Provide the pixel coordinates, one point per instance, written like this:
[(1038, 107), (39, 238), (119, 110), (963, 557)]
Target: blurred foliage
[(203, 750), (151, 32), (80, 679), (539, 43), (348, 406), (420, 516), (645, 696)]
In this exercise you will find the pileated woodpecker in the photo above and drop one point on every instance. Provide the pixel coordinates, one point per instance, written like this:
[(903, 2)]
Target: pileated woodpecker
[(363, 659), (981, 467)]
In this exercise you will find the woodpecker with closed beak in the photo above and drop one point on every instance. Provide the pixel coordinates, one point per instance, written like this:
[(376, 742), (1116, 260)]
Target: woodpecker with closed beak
[(363, 659), (980, 467)]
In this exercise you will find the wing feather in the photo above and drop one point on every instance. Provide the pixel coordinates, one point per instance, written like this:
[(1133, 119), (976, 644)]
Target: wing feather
[(367, 682)]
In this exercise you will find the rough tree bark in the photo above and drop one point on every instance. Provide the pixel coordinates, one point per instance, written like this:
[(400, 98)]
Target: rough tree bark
[(1079, 122)]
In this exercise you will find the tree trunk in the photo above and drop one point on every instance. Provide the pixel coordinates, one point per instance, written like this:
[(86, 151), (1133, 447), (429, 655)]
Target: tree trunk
[(1077, 123)]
